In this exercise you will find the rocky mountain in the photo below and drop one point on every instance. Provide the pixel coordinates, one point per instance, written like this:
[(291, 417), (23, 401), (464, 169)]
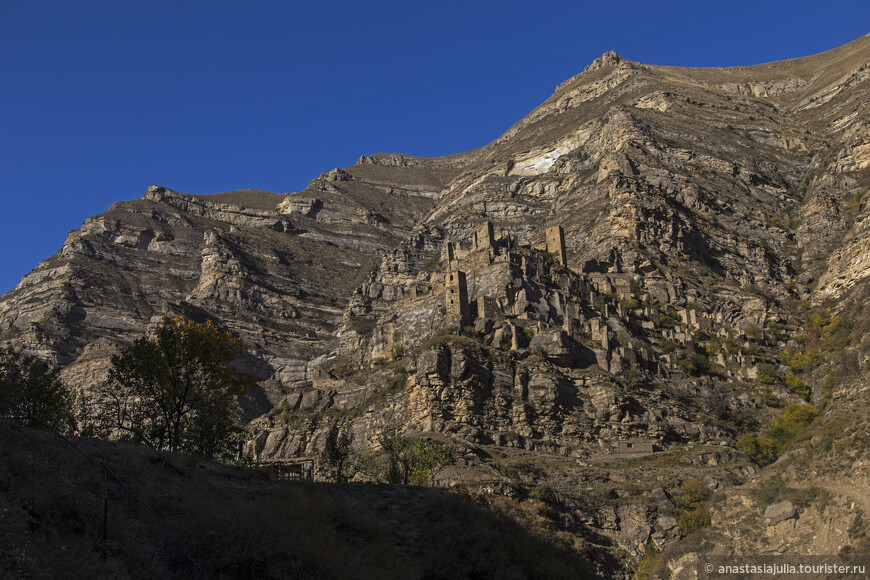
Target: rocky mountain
[(648, 266)]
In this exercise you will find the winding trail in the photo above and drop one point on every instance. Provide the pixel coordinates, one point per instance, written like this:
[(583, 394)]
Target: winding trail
[(859, 495)]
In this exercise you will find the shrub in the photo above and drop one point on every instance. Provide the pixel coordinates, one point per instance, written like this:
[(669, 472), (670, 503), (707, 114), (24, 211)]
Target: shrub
[(712, 347), (761, 450), (777, 329), (770, 399), (394, 443), (729, 345), (827, 386), (692, 493), (753, 332), (692, 521), (630, 304), (806, 496), (802, 361), (632, 378), (771, 490), (372, 464), (427, 459), (686, 366), (797, 386), (796, 417), (768, 374), (765, 449), (648, 564), (541, 492), (397, 382)]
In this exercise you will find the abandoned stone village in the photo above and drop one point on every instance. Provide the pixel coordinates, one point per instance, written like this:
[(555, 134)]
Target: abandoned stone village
[(569, 306), (593, 329), (515, 295)]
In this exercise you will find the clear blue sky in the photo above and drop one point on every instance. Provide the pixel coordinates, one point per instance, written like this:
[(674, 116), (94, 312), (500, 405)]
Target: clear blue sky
[(101, 98)]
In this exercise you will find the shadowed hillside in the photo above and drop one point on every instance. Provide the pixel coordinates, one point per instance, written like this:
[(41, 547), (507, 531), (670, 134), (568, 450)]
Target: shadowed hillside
[(102, 510)]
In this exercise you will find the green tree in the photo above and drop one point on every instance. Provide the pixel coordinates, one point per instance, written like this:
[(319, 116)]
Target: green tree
[(337, 458), (394, 443), (427, 459), (32, 393), (176, 389), (696, 364)]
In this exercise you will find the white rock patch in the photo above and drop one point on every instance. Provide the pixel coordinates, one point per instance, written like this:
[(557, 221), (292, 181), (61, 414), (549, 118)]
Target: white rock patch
[(537, 162)]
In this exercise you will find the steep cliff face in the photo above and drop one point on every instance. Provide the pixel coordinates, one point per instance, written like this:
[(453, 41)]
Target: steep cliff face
[(655, 256), (262, 264)]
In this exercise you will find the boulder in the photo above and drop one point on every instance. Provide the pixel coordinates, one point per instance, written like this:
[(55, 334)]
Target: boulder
[(553, 344), (666, 524), (663, 499), (642, 534), (779, 511)]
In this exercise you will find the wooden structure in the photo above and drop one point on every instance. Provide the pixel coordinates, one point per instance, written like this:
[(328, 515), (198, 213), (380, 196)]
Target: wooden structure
[(290, 467)]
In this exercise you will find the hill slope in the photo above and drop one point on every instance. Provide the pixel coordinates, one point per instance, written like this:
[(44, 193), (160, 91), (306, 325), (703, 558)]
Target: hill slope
[(107, 510)]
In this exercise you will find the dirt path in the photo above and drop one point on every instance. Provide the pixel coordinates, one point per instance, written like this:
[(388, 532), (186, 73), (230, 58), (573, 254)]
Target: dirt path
[(859, 495)]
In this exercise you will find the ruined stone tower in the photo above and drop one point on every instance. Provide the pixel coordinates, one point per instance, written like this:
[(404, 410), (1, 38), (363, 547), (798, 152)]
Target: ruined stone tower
[(448, 253), (484, 237), (556, 244), (456, 297)]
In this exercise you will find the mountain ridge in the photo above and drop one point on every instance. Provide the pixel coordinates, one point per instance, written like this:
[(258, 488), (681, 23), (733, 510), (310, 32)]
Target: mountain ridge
[(652, 254)]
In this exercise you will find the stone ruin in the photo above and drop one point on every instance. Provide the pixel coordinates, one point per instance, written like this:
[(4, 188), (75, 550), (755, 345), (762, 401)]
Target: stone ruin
[(556, 245), (456, 297), (513, 285), (510, 292), (627, 447)]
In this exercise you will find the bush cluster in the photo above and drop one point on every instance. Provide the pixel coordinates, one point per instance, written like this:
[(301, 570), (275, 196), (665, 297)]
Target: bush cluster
[(692, 500), (776, 440)]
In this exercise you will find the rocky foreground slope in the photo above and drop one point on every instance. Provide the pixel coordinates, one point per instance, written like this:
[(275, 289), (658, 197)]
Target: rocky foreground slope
[(655, 259)]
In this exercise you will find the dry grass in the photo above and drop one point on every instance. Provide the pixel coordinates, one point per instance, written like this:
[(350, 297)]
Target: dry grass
[(177, 517)]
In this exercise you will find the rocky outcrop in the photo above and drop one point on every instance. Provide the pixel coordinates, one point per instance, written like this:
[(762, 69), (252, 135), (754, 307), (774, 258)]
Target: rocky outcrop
[(240, 258)]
